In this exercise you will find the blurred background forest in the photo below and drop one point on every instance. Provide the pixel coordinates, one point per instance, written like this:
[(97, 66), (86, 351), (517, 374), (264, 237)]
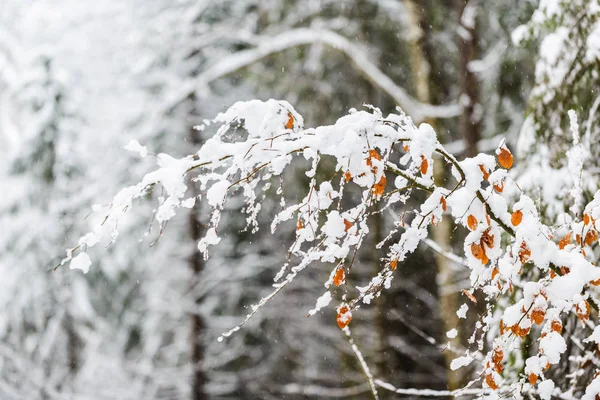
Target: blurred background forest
[(79, 80)]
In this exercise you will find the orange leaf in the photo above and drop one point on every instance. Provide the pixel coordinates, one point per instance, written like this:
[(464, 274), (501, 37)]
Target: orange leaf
[(499, 188), (505, 158), (300, 225), (497, 355), (524, 253), (583, 315), (472, 222), (484, 171), (424, 165), (374, 154), (347, 176), (484, 258), (469, 296), (556, 326), (591, 237), (344, 316), (347, 225), (290, 122), (562, 243), (533, 378), (443, 203), (394, 264), (523, 332), (477, 251), (339, 276), (489, 379), (538, 315), (406, 148), (586, 219), (487, 239), (516, 217), (495, 272), (379, 187)]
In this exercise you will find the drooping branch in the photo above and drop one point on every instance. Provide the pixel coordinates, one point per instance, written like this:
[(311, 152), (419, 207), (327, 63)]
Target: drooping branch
[(305, 36)]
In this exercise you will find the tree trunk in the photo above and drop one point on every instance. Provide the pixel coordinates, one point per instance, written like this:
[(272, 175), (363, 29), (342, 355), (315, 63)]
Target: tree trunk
[(196, 265), (441, 233), (470, 121)]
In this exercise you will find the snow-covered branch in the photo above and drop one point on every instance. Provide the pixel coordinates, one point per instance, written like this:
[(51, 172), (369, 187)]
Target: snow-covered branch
[(304, 36)]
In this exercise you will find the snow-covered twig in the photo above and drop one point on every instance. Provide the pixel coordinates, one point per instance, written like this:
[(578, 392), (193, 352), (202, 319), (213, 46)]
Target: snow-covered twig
[(304, 36), (363, 363)]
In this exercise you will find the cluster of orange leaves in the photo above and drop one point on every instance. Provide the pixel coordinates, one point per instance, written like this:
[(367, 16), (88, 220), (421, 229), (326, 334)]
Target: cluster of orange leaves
[(497, 357), (536, 316), (505, 159)]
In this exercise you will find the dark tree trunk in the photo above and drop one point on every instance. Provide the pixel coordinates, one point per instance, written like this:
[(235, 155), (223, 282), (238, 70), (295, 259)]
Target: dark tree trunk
[(197, 266), (468, 51)]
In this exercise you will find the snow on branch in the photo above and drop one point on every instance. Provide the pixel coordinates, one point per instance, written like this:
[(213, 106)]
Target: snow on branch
[(541, 273)]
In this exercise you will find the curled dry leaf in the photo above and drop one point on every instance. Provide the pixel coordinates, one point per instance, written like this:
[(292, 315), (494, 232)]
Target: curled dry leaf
[(484, 171), (586, 219), (516, 217), (290, 122), (443, 203), (300, 225), (505, 158), (469, 295), (394, 264), (499, 188)]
